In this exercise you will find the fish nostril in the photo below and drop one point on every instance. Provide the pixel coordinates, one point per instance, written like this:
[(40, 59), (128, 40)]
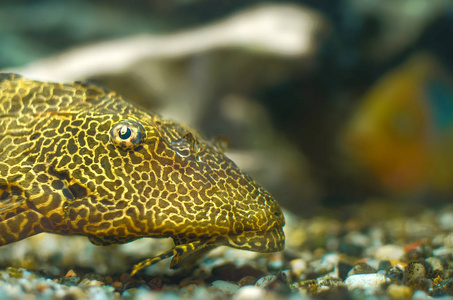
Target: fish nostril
[(279, 218)]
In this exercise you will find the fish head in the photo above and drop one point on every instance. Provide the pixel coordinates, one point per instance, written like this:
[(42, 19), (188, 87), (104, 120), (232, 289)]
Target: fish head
[(162, 179)]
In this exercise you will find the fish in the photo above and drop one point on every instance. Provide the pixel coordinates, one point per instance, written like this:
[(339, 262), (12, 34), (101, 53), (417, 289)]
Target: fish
[(401, 133), (78, 159)]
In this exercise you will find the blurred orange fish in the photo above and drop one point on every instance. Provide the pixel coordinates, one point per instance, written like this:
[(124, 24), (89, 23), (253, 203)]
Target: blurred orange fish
[(402, 131)]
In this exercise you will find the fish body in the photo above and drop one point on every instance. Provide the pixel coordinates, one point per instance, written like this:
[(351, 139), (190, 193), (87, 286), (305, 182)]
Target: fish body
[(76, 159), (402, 131)]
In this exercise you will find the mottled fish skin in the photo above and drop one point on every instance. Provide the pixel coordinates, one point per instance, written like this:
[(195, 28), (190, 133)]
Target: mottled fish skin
[(77, 159)]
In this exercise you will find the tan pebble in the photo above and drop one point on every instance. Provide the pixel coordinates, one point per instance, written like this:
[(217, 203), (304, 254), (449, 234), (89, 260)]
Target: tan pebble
[(436, 263), (389, 252), (117, 285), (41, 287), (399, 292), (414, 270), (190, 280), (247, 280), (298, 266), (71, 273)]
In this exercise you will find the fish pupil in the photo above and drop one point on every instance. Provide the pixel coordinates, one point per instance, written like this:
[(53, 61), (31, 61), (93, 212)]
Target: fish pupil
[(125, 133)]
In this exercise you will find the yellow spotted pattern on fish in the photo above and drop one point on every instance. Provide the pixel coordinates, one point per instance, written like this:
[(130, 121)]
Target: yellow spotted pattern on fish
[(77, 159)]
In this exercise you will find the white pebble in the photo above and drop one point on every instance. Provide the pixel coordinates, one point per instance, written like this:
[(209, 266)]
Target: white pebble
[(442, 251), (90, 282), (420, 295), (143, 294), (225, 286), (446, 221), (389, 252), (98, 293), (265, 281), (249, 292), (328, 263), (365, 281)]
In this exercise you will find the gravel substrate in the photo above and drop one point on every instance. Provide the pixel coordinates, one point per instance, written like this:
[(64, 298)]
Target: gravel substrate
[(367, 256)]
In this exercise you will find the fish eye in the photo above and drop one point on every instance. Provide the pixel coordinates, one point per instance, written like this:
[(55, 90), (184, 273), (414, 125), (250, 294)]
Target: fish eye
[(127, 134)]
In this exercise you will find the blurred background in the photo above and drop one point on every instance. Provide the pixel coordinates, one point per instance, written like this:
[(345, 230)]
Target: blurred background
[(331, 105)]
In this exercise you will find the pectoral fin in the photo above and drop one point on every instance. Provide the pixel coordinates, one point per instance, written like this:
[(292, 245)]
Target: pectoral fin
[(151, 261), (183, 255), (17, 220)]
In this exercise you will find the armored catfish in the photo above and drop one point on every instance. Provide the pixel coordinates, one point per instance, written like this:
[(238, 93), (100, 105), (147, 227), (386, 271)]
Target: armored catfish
[(77, 159)]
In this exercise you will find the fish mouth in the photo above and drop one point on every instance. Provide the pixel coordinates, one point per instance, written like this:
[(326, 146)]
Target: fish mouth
[(269, 241)]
